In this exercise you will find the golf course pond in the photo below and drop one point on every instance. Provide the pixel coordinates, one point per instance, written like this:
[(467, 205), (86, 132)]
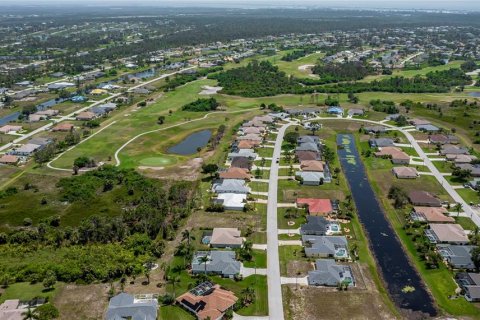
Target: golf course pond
[(191, 143)]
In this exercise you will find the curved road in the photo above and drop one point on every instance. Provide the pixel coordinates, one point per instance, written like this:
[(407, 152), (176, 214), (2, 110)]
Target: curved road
[(467, 209)]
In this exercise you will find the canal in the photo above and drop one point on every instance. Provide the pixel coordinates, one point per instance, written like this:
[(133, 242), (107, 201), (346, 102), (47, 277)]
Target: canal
[(396, 269)]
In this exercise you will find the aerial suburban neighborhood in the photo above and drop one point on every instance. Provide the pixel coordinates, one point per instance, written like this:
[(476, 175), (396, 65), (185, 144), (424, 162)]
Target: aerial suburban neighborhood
[(248, 162)]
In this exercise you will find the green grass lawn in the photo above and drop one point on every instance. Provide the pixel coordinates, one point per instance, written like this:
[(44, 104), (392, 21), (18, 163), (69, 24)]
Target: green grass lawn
[(27, 291), (469, 195), (174, 313), (287, 254), (466, 223), (259, 259), (283, 222)]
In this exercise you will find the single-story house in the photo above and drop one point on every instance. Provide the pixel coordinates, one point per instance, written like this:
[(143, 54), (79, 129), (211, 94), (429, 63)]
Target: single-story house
[(79, 99), (86, 116), (48, 112), (312, 165), (458, 257), (235, 173), (98, 92), (126, 306), (474, 184), (460, 158), (405, 172), (247, 153), (226, 238), (453, 149), (392, 117), (222, 263), (431, 214), (396, 155), (310, 178), (231, 186), (328, 273), (319, 226), (418, 122), (280, 115), (9, 159), (335, 110), (9, 128), (57, 74), (246, 144), (474, 169), (208, 301), (446, 233), (252, 137), (304, 112), (356, 112), (381, 143), (427, 128), (36, 117), (141, 91), (316, 207), (308, 146), (443, 139), (309, 139), (250, 130), (375, 129), (60, 85), (265, 119), (423, 198), (25, 150), (470, 283), (63, 127), (307, 155), (40, 141), (13, 309), (241, 162), (232, 201), (326, 247)]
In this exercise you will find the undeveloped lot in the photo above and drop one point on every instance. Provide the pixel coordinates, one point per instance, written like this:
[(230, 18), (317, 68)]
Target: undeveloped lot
[(362, 302), (77, 302)]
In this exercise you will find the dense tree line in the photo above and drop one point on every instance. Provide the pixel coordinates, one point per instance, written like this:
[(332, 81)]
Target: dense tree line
[(384, 106), (336, 72), (100, 248), (297, 54), (257, 79), (201, 105)]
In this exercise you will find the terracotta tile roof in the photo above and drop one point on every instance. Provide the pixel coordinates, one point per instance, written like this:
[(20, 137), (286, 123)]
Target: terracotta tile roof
[(235, 173), (306, 155), (394, 152), (226, 236), (246, 144), (9, 159), (434, 214), (316, 206), (405, 172), (212, 305), (312, 165), (63, 127)]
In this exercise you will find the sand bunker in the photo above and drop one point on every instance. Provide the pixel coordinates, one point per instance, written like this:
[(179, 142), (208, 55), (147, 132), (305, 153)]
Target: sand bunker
[(207, 90), (306, 67)]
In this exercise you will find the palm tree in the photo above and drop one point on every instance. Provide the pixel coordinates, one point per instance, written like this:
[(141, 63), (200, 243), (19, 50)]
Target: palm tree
[(204, 259), (458, 207), (173, 281), (29, 315), (187, 235)]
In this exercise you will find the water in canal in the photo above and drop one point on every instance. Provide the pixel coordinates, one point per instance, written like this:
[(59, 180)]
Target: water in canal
[(394, 265), (190, 144)]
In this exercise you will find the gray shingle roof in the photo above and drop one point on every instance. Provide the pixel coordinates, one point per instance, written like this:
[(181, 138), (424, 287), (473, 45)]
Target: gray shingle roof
[(220, 262), (124, 306), (328, 273), (324, 245), (458, 257)]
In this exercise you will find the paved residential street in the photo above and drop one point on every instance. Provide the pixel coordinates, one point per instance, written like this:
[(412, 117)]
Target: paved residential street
[(275, 304)]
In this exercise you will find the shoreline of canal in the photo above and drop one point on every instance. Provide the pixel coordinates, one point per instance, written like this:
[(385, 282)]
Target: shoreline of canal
[(390, 291)]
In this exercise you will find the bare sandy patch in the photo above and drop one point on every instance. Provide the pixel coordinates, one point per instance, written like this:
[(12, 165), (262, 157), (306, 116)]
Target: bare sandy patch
[(208, 90)]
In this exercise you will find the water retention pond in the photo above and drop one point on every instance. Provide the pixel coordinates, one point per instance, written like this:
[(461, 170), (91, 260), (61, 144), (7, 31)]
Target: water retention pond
[(395, 267)]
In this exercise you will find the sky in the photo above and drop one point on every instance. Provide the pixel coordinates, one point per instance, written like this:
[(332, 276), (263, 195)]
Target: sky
[(473, 5)]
